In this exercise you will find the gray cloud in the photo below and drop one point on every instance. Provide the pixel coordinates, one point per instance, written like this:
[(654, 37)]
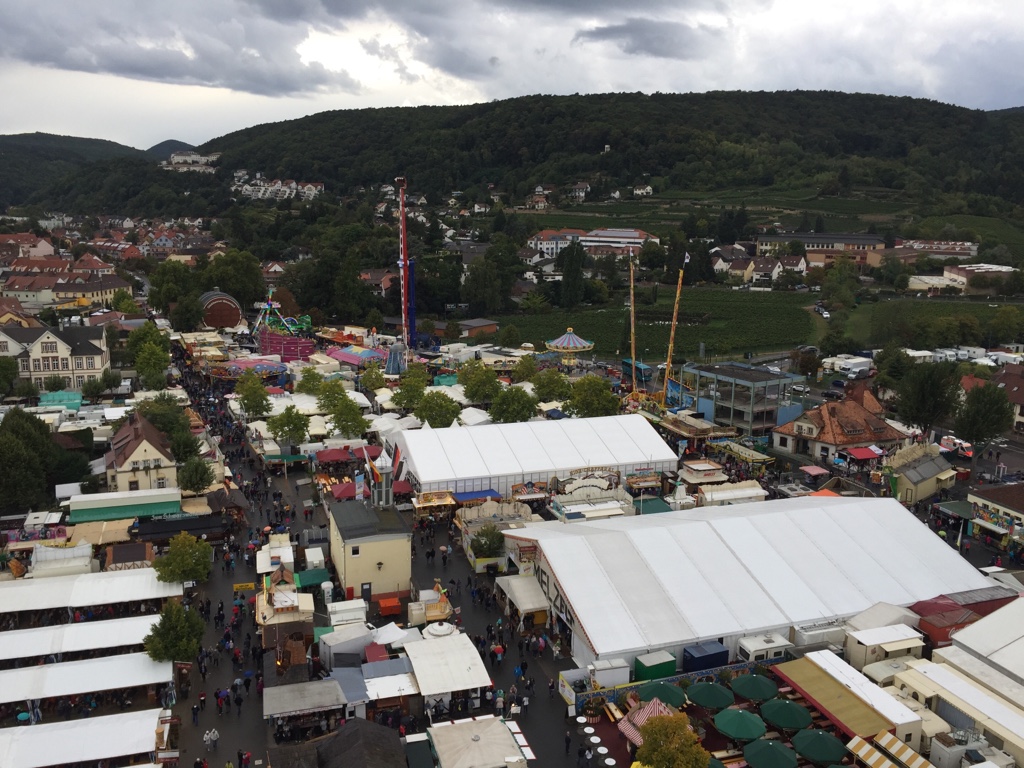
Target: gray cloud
[(666, 40), (390, 54), (205, 44)]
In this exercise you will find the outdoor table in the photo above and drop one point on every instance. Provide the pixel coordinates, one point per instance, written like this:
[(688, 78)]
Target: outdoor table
[(589, 730), (609, 761), (595, 740), (602, 751), (580, 721)]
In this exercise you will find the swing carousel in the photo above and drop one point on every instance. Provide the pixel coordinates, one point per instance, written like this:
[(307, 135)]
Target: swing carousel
[(568, 346)]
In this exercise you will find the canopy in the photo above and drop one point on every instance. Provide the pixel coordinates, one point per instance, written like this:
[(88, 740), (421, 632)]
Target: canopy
[(367, 451), (786, 714), (629, 726), (524, 591), (312, 578), (483, 742), (710, 695), (861, 454), (769, 754), (84, 589), (819, 746), (331, 455), (90, 739), (868, 754), (70, 678), (402, 486), (739, 725), (743, 453), (569, 342), (302, 698), (446, 664), (670, 694), (348, 491), (465, 496), (755, 687), (358, 356), (814, 471), (79, 636)]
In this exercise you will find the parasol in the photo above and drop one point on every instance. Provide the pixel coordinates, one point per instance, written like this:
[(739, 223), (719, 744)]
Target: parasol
[(755, 687), (739, 725), (669, 694), (710, 695), (819, 746), (769, 754), (786, 714)]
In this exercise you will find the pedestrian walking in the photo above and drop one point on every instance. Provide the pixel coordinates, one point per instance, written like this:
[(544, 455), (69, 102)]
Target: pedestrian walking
[(526, 704), (568, 742), (214, 738), (207, 741), (238, 703), (195, 714), (551, 688), (248, 682)]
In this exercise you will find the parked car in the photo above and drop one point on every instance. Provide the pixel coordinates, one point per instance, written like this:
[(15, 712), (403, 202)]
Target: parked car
[(831, 394), (801, 389), (838, 383)]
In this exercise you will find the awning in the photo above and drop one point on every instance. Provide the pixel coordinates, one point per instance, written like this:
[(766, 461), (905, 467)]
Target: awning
[(813, 471), (946, 474), (342, 491), (990, 526), (861, 454), (332, 455), (314, 577), (900, 645), (867, 754), (746, 454), (367, 451), (900, 751), (490, 493), (434, 499), (402, 486), (302, 698), (524, 591)]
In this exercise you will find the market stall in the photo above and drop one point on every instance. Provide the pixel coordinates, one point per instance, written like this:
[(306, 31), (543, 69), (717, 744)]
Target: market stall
[(525, 593), (436, 503)]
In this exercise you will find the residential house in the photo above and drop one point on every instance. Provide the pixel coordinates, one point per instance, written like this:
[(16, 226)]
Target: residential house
[(380, 280), (78, 353), (537, 202), (29, 246), (34, 291), (481, 208), (766, 271), (730, 252), (29, 266), (820, 241), (13, 313), (544, 189), (529, 255), (822, 432), (579, 191), (89, 290), (742, 270), (643, 190), (140, 458), (93, 264), (273, 272), (371, 549), (1011, 380), (969, 382), (121, 250), (796, 264), (920, 472), (719, 264), (551, 241)]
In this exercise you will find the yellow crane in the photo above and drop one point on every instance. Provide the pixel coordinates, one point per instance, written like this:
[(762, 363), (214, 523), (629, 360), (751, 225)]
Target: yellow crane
[(672, 332)]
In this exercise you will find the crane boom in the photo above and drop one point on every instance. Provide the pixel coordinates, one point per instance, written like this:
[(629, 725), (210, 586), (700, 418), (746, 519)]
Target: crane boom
[(672, 338)]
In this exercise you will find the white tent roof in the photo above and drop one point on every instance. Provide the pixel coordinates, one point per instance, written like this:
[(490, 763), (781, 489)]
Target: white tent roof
[(391, 686), (524, 592), (483, 742), (300, 698), (72, 677), (84, 589), (494, 450), (677, 578), (446, 664), (68, 638), (473, 417), (88, 740), (998, 638)]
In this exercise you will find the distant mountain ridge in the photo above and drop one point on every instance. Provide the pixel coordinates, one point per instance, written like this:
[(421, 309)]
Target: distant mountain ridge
[(165, 149)]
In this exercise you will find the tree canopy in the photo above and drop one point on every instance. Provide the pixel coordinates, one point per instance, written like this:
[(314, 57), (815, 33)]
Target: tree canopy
[(669, 743), (252, 395), (344, 413), (551, 385), (437, 409), (928, 393), (372, 378), (513, 404), (195, 475), (151, 363), (310, 382), (591, 396), (985, 414), (176, 636), (488, 541), (289, 427), (187, 559), (480, 382)]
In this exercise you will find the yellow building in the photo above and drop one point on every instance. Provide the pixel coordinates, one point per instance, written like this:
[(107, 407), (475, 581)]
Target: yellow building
[(371, 549), (140, 458)]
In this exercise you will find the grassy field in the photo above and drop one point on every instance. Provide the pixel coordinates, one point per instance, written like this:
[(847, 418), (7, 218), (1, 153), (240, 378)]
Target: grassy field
[(990, 230), (740, 321), (871, 324)]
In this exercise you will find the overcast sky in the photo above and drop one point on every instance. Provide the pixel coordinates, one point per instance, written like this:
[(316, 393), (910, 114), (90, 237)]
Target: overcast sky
[(139, 72)]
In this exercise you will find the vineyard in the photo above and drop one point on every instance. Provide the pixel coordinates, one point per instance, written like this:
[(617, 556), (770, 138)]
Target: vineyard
[(728, 322)]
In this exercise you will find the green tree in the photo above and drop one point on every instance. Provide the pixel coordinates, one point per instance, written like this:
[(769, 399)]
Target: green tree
[(437, 409), (310, 382), (25, 389), (482, 289), (534, 303), (372, 378), (289, 428), (124, 302), (375, 319), (147, 333), (152, 363), (237, 273), (928, 394), (93, 389), (187, 559), (669, 743), (480, 382), (513, 404), (409, 394), (164, 413), (23, 479), (177, 636), (54, 383), (1005, 326), (8, 374), (195, 475), (525, 369), (252, 396), (110, 379), (184, 446), (509, 337), (188, 313), (591, 396), (344, 413), (985, 414), (452, 331), (573, 258), (551, 385), (488, 541)]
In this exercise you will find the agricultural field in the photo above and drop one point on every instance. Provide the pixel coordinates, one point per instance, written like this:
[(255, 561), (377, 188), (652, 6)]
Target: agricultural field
[(872, 324), (739, 321)]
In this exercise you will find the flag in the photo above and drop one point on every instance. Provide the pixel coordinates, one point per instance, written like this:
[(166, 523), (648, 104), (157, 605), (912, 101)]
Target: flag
[(686, 259), (397, 458), (374, 472)]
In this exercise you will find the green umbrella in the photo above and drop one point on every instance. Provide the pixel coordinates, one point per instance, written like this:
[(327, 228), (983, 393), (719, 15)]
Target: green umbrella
[(668, 694), (739, 725), (710, 695), (769, 754), (785, 714), (819, 746), (755, 687)]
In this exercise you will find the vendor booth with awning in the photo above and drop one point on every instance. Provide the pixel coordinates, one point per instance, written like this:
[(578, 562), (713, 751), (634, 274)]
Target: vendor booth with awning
[(525, 593), (303, 699)]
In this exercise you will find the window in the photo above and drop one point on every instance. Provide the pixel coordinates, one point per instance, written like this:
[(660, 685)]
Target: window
[(3, 346), (67, 382), (90, 362), (65, 364), (79, 363), (133, 485), (46, 363), (24, 365), (37, 365), (49, 347), (161, 482), (79, 381), (783, 442), (355, 551)]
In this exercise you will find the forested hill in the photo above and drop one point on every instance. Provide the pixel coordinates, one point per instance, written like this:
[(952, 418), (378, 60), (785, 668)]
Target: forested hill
[(924, 153), (32, 161)]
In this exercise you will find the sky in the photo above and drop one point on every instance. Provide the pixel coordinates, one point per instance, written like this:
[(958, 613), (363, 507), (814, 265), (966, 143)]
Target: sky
[(139, 72)]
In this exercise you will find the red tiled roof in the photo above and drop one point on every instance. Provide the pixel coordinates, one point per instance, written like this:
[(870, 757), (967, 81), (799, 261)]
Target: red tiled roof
[(845, 423)]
